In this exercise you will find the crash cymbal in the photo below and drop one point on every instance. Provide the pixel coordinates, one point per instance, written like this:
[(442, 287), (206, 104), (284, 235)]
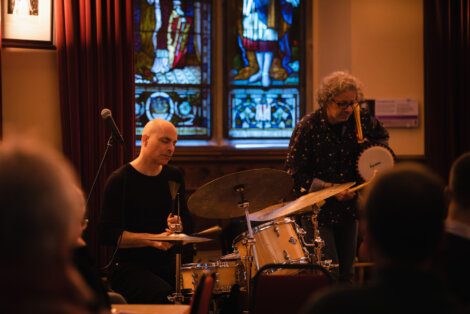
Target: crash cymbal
[(209, 231), (285, 209), (219, 198), (178, 237), (259, 215)]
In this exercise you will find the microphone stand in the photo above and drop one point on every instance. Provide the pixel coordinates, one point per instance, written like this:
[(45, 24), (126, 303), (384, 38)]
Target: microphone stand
[(108, 146)]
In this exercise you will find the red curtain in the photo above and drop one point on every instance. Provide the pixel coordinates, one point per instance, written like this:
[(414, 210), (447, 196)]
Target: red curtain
[(1, 96), (447, 79), (95, 55)]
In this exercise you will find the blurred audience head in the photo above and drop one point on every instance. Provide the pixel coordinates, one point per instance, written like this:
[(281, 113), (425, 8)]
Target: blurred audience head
[(404, 212), (38, 204), (459, 181)]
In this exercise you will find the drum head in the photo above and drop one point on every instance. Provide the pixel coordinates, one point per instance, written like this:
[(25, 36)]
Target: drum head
[(374, 158)]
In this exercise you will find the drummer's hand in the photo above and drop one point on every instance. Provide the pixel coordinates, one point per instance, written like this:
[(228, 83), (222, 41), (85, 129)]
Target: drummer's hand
[(345, 195), (162, 245), (174, 223)]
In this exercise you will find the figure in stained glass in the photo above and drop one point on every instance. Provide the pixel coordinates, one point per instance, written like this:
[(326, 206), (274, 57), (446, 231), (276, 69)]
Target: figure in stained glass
[(172, 64), (264, 41)]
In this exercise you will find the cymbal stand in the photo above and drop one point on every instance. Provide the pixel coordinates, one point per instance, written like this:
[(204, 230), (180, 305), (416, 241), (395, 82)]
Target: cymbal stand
[(317, 244), (317, 240), (251, 247), (177, 297)]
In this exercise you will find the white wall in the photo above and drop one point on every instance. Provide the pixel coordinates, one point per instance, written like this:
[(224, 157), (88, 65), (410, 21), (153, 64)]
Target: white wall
[(30, 95), (380, 42)]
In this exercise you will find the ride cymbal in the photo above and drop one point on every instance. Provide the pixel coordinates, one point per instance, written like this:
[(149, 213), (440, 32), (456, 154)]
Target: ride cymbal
[(220, 198)]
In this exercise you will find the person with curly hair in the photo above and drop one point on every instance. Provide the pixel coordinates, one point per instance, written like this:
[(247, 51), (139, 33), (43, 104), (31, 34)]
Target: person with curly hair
[(323, 151)]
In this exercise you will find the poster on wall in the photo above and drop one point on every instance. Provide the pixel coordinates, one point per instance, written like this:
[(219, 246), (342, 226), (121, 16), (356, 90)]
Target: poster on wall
[(27, 23)]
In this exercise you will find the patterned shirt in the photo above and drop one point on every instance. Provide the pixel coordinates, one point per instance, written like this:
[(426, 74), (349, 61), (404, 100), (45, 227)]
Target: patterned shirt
[(318, 149)]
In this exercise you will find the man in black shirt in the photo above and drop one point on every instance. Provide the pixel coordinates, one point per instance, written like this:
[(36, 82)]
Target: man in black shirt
[(137, 204)]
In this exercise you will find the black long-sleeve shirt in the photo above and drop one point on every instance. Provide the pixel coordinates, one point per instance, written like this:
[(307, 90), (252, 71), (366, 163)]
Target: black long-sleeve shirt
[(318, 149), (138, 203)]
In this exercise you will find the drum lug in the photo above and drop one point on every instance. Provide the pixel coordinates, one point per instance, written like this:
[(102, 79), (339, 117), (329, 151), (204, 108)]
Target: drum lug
[(286, 255), (195, 280), (292, 240), (276, 229), (301, 231), (217, 279)]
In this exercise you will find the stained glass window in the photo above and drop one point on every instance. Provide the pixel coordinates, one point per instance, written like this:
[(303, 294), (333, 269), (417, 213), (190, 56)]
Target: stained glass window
[(173, 64), (264, 42)]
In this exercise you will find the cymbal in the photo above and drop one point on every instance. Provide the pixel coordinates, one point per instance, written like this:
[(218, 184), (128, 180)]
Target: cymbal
[(178, 237), (219, 198), (209, 231), (285, 209)]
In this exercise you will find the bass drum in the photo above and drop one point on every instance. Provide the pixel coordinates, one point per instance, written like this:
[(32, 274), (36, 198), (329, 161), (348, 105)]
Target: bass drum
[(374, 158)]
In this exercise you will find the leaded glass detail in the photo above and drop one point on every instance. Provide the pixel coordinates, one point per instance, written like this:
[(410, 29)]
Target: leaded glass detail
[(186, 108), (257, 114), (172, 64), (264, 41)]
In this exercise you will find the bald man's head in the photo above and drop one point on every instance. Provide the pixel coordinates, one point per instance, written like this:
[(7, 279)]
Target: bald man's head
[(157, 125), (159, 138)]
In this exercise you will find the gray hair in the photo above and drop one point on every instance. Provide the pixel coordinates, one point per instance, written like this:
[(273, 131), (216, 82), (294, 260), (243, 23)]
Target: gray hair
[(38, 204), (336, 83)]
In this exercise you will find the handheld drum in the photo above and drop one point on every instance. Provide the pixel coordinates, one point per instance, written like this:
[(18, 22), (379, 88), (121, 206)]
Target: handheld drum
[(373, 157)]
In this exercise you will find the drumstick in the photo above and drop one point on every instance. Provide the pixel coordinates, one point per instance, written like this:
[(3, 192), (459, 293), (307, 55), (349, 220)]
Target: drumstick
[(360, 186), (357, 117), (363, 185)]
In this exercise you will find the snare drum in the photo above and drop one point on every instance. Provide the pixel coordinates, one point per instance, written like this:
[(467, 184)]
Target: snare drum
[(275, 242), (227, 274)]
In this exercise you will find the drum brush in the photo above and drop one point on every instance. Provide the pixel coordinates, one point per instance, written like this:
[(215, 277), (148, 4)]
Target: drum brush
[(174, 187)]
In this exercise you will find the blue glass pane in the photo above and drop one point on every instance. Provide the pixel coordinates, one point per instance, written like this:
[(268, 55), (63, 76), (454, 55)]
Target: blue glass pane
[(186, 108), (172, 64), (266, 42), (255, 113)]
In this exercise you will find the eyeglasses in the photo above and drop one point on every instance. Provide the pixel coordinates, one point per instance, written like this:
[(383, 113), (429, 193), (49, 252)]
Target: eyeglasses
[(345, 104), (85, 223)]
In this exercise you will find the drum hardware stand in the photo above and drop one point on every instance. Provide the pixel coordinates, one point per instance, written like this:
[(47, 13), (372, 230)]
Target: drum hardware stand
[(177, 297), (318, 242), (251, 245)]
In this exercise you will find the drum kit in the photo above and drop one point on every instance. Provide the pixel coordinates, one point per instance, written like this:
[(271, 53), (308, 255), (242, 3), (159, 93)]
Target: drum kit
[(257, 195)]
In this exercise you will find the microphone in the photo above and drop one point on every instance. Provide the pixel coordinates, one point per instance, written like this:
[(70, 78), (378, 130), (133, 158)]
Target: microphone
[(106, 115)]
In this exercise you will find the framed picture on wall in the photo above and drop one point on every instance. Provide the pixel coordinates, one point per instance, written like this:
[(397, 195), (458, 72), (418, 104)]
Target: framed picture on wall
[(27, 23)]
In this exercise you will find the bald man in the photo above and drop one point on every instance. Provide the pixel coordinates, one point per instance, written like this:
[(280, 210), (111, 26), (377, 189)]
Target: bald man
[(137, 203)]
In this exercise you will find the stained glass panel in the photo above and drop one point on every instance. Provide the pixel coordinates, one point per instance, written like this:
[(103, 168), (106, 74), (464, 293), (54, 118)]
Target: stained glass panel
[(173, 64), (265, 55), (256, 114)]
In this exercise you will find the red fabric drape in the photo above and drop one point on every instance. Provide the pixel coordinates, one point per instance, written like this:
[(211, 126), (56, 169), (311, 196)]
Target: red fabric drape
[(1, 96), (95, 55), (447, 79)]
